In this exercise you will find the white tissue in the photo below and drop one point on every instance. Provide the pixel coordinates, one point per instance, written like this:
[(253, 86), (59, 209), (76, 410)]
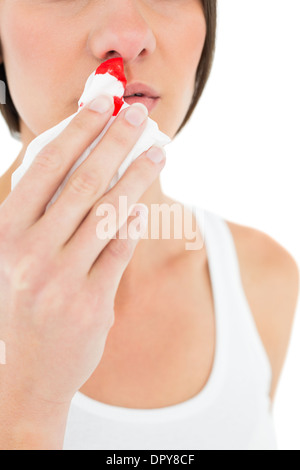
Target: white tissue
[(95, 86)]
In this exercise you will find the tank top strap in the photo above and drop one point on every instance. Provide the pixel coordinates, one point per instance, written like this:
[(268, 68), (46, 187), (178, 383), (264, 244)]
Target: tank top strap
[(232, 309)]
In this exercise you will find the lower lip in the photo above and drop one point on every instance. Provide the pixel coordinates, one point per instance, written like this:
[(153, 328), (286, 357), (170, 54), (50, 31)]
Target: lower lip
[(150, 103)]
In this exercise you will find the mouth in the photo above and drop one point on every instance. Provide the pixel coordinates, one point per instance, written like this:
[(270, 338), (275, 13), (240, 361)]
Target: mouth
[(140, 93), (149, 102)]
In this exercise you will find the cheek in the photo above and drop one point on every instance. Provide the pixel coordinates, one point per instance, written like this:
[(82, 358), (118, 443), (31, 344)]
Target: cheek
[(189, 52), (34, 66), (26, 46), (183, 49)]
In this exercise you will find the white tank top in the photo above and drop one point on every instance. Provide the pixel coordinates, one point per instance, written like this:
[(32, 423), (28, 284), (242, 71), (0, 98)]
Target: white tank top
[(231, 412)]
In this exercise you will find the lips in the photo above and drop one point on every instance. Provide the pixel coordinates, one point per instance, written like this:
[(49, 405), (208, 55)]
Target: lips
[(141, 93), (140, 89)]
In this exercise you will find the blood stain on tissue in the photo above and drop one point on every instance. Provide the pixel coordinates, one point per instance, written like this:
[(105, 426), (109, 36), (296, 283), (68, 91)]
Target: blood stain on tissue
[(118, 105), (114, 67)]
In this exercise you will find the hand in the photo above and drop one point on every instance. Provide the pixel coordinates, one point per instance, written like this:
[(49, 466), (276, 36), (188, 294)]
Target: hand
[(58, 280)]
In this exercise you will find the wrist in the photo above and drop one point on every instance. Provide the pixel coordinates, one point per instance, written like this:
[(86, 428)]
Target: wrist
[(32, 425)]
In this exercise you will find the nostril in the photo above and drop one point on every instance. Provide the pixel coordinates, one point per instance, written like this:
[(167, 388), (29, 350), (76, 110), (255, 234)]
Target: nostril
[(113, 55)]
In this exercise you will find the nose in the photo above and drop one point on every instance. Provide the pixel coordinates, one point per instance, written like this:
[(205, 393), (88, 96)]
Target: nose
[(121, 30)]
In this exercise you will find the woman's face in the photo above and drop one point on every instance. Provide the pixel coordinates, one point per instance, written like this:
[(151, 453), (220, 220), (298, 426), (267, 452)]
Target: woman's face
[(50, 47)]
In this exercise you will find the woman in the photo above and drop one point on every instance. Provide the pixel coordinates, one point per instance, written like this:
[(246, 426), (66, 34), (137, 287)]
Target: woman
[(127, 344)]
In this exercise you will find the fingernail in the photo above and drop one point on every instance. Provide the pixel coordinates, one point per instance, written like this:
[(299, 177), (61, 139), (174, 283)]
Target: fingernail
[(156, 154), (136, 114), (102, 104)]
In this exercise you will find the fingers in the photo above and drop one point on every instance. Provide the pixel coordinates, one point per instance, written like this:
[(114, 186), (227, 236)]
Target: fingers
[(113, 260), (91, 179), (92, 236), (33, 192)]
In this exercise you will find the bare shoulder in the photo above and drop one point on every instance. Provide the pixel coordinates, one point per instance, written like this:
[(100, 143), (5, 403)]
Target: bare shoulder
[(270, 276)]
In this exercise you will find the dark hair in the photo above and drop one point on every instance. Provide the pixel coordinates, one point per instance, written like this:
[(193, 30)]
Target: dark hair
[(11, 116), (207, 57)]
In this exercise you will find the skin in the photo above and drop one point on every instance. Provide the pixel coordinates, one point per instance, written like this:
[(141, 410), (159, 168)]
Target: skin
[(48, 71), (38, 63), (56, 79)]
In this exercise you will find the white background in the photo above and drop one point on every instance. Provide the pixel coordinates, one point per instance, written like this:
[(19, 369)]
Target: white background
[(239, 155)]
